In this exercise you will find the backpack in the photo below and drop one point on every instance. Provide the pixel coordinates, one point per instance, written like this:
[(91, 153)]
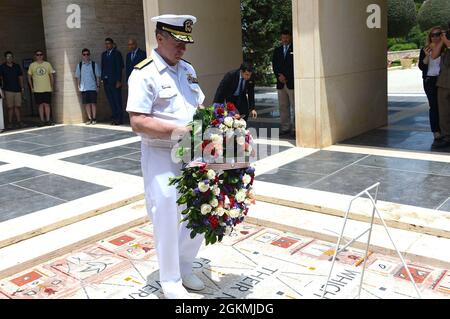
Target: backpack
[(93, 69)]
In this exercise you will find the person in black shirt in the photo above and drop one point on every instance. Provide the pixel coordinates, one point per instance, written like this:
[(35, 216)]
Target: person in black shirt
[(11, 76)]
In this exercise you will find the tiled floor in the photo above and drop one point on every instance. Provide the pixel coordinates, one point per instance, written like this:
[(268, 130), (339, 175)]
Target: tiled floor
[(24, 191), (254, 263), (405, 181), (59, 139), (408, 129)]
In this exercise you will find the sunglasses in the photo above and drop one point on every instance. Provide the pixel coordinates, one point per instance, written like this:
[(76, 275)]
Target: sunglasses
[(436, 34), (86, 54), (40, 54)]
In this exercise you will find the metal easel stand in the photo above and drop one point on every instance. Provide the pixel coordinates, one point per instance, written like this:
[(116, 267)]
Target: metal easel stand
[(338, 250)]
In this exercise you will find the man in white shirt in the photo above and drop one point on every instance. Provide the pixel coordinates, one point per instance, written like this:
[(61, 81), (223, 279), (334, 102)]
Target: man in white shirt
[(163, 97)]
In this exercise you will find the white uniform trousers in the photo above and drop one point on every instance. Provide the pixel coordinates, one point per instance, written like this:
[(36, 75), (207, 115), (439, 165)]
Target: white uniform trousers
[(175, 249)]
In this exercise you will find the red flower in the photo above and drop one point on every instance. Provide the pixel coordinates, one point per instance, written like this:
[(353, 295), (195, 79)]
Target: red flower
[(232, 201), (214, 221), (231, 107), (221, 111), (216, 122), (205, 144)]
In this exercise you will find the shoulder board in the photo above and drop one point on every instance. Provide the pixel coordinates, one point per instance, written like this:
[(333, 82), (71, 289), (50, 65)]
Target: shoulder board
[(187, 62), (143, 64)]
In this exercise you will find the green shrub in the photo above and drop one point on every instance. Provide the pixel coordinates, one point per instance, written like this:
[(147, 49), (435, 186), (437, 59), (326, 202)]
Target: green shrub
[(417, 36), (434, 13), (402, 16), (403, 47)]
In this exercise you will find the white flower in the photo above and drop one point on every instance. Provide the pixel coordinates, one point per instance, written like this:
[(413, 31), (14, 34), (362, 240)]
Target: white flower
[(228, 121), (246, 179), (237, 124), (216, 190), (222, 127), (217, 139), (203, 187), (241, 196), (248, 202), (211, 174), (234, 213), (206, 209), (228, 231), (243, 123), (240, 140), (214, 202), (220, 211)]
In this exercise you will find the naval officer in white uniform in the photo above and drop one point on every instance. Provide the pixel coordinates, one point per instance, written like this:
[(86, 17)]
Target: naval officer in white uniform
[(163, 97)]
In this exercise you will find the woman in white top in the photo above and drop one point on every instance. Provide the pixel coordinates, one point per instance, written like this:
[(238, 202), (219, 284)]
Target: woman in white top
[(431, 68)]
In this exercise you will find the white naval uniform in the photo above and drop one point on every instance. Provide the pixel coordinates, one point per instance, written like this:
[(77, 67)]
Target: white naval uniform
[(165, 93)]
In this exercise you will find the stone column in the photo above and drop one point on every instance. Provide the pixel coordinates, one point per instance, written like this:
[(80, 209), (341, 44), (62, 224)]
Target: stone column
[(340, 70), (217, 34), (99, 19)]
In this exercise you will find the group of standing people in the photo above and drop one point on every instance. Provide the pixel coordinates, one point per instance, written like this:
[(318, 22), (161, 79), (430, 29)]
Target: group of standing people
[(434, 61), (89, 75), (41, 83), (110, 71)]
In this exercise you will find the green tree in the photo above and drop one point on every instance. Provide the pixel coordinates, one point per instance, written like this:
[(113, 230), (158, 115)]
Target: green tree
[(262, 23), (434, 13), (402, 17)]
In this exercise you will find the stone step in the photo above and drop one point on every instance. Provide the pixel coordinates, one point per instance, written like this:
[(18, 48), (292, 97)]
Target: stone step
[(410, 218), (36, 250), (29, 226), (414, 246)]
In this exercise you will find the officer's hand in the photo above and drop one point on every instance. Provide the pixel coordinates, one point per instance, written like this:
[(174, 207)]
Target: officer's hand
[(254, 114), (282, 78)]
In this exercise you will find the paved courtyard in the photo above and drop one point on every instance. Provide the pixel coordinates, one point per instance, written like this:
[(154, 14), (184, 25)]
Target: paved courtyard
[(256, 262), (85, 184)]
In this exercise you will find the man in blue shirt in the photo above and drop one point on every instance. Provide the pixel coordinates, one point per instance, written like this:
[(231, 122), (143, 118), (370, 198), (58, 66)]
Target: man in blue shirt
[(112, 67), (88, 80), (134, 57)]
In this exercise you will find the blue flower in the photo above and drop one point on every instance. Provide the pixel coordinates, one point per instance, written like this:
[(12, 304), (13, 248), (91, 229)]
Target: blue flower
[(250, 170)]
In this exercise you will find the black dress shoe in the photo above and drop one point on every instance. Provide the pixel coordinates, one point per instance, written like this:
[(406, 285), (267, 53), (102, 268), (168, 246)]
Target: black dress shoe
[(441, 143)]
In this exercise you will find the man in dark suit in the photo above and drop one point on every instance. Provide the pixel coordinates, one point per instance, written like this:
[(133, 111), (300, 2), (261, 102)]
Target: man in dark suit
[(283, 67), (134, 57), (112, 67), (238, 87)]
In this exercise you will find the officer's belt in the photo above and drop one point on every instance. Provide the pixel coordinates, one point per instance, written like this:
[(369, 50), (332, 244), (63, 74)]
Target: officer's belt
[(159, 143)]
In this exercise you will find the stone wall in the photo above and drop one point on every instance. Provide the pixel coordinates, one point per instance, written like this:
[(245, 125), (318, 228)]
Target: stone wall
[(217, 34), (99, 19), (341, 70), (21, 31)]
